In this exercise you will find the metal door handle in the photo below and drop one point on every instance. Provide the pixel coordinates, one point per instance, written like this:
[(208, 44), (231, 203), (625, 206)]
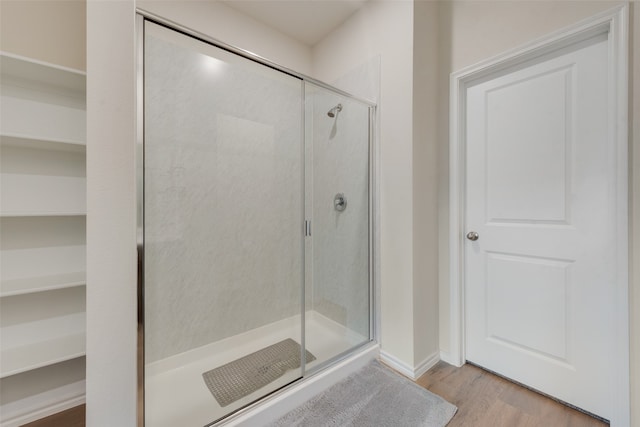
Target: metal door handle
[(473, 236)]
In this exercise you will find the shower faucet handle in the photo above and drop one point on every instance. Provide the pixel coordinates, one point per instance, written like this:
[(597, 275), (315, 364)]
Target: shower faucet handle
[(340, 202)]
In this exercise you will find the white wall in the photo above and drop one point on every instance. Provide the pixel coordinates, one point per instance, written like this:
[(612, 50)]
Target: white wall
[(49, 30), (408, 219), (384, 29), (475, 31), (471, 31), (223, 194), (111, 215), (227, 25), (634, 306), (462, 32), (340, 257), (427, 78)]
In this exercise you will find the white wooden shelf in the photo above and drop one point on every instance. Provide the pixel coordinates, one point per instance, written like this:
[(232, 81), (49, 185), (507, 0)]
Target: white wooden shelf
[(42, 251), (45, 119), (42, 101), (34, 72), (46, 261), (39, 354), (27, 285), (22, 141), (26, 195), (26, 214), (41, 328), (39, 182), (33, 395), (43, 245)]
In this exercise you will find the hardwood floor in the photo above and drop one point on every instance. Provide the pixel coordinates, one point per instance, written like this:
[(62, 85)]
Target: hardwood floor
[(486, 400), (483, 400), (74, 417)]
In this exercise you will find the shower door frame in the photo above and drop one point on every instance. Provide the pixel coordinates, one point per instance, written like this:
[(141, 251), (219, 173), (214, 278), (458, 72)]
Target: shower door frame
[(373, 192)]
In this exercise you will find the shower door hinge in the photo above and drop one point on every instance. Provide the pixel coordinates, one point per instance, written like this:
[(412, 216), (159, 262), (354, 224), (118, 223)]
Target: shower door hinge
[(307, 228)]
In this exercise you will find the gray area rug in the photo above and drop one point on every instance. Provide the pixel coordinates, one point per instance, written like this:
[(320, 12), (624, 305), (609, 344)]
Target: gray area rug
[(243, 376), (374, 396)]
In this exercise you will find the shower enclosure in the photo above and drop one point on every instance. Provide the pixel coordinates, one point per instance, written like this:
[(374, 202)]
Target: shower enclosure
[(255, 226)]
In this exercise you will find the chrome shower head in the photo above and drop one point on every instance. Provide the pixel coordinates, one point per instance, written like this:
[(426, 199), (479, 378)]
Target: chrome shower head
[(335, 110)]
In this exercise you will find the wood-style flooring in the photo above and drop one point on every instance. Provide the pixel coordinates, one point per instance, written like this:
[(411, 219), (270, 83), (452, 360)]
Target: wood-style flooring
[(74, 417), (486, 400), (483, 400)]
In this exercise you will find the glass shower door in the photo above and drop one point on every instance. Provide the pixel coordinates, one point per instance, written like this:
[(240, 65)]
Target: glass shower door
[(338, 291), (223, 234)]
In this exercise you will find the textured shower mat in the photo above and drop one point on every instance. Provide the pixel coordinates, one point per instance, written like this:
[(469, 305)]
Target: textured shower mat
[(243, 376)]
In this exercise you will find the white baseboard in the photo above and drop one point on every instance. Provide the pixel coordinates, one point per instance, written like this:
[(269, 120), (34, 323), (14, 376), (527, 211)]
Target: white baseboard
[(409, 371), (32, 408), (446, 357), (426, 364)]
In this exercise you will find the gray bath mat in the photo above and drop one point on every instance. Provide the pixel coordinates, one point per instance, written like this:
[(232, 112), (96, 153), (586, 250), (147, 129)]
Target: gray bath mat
[(372, 397), (243, 376)]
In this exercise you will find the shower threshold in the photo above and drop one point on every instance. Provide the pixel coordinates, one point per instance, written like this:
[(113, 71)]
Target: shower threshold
[(175, 393)]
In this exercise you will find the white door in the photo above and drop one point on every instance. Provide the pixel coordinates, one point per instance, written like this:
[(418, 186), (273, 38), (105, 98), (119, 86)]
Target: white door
[(540, 193)]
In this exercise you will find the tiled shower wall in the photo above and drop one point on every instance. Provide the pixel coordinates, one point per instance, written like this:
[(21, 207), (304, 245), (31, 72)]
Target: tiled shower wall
[(340, 257), (223, 197)]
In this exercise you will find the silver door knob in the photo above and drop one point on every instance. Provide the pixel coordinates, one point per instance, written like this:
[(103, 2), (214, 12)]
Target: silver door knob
[(473, 236)]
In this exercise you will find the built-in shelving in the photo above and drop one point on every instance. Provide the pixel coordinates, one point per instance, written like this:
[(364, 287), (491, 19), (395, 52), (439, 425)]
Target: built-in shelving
[(33, 73), (28, 285), (39, 354), (40, 329), (53, 388), (35, 248), (42, 353), (40, 179), (42, 101), (31, 195), (41, 143), (43, 246)]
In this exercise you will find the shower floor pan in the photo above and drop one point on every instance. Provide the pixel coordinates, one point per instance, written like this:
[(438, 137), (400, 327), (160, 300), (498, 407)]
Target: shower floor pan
[(175, 393)]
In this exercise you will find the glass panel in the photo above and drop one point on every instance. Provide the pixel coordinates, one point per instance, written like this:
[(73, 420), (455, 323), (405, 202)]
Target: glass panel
[(337, 286), (223, 229)]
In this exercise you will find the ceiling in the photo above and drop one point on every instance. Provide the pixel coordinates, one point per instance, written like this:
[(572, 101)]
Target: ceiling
[(307, 21)]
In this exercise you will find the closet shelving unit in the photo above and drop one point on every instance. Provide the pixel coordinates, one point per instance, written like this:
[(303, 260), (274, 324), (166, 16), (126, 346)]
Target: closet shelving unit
[(42, 238)]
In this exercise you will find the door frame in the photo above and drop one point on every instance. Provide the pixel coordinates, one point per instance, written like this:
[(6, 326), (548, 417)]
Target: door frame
[(613, 21)]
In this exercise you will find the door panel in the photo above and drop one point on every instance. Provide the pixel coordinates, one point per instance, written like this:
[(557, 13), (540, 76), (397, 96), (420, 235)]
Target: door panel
[(536, 324), (540, 187), (532, 135)]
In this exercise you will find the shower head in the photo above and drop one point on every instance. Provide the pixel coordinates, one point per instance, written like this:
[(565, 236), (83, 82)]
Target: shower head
[(335, 110)]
